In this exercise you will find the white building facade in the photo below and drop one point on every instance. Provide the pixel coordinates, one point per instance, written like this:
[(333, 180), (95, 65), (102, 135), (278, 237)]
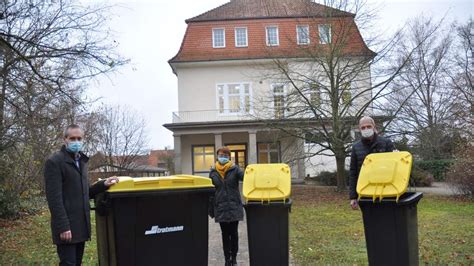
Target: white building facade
[(228, 92)]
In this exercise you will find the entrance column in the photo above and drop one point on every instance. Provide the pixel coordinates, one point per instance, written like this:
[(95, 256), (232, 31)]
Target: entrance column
[(177, 154), (252, 147), (218, 140)]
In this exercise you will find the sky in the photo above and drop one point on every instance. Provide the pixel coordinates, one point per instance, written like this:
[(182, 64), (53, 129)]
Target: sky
[(150, 32)]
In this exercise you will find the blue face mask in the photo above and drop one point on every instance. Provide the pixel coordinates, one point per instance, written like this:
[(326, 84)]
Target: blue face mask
[(74, 146), (223, 160)]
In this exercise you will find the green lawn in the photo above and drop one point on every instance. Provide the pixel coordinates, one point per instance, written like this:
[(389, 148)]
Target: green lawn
[(28, 242), (323, 231)]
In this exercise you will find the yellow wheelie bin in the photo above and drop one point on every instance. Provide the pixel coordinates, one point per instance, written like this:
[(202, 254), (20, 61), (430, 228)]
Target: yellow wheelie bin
[(154, 221), (389, 212), (266, 190)]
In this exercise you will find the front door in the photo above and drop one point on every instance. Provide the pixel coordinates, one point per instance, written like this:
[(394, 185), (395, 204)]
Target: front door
[(238, 154)]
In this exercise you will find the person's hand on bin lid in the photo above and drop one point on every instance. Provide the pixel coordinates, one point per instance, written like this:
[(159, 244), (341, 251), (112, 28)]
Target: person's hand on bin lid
[(354, 204), (111, 181)]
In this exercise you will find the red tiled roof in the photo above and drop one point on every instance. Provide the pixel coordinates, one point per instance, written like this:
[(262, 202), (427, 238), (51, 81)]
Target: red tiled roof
[(197, 42), (252, 9), (256, 15)]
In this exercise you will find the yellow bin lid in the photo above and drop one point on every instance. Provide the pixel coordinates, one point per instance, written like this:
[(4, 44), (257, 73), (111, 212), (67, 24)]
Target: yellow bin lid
[(128, 184), (384, 175), (267, 182)]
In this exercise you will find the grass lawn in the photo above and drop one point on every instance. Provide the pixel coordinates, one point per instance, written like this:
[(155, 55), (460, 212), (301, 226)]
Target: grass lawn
[(323, 231), (27, 241)]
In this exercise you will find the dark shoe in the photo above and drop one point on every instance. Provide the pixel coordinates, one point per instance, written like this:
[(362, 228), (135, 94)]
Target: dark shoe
[(228, 263)]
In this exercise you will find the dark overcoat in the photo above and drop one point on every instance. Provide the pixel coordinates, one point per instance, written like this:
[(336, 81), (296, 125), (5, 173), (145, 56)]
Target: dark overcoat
[(226, 204), (68, 193)]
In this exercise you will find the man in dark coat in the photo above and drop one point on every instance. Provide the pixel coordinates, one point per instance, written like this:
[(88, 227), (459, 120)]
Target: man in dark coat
[(68, 194), (227, 203), (370, 142)]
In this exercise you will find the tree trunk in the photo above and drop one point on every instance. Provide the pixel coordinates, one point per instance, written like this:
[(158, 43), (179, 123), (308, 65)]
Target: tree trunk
[(3, 96), (341, 173)]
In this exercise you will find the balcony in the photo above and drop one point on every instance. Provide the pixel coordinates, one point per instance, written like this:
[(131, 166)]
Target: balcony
[(287, 113), (233, 115), (210, 116)]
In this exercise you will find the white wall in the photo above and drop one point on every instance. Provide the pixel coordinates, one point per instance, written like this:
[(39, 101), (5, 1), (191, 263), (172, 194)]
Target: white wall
[(318, 163), (186, 145), (197, 92), (197, 86)]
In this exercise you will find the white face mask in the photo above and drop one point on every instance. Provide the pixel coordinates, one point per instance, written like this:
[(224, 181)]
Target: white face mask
[(367, 133)]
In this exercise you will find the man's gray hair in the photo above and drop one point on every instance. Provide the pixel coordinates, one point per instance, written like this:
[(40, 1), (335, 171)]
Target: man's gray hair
[(71, 126), (367, 118)]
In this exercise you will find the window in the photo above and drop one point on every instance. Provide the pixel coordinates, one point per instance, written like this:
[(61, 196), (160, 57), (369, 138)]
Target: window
[(268, 152), (315, 94), (302, 34), (346, 94), (325, 35), (234, 98), (272, 36), (241, 37), (203, 159), (218, 38), (279, 100)]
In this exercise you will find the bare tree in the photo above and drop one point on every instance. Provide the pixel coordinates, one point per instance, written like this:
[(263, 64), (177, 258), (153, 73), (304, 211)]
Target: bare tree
[(121, 136), (431, 114), (53, 44), (169, 160), (461, 79), (39, 118), (48, 50), (328, 84)]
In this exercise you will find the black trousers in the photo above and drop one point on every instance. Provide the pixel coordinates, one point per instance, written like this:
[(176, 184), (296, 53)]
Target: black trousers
[(230, 239), (70, 254)]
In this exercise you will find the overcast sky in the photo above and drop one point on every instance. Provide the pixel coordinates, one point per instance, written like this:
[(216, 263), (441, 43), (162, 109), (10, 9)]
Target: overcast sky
[(150, 32)]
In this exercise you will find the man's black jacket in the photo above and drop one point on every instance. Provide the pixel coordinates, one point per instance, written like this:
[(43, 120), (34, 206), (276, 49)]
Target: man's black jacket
[(361, 149)]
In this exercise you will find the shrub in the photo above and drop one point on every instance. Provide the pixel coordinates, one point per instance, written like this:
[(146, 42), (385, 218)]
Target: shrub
[(421, 178), (32, 202), (438, 168), (326, 178), (9, 203), (461, 174), (13, 205)]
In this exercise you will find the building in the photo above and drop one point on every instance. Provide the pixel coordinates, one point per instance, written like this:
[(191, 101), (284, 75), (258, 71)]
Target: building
[(156, 163), (162, 159), (222, 68)]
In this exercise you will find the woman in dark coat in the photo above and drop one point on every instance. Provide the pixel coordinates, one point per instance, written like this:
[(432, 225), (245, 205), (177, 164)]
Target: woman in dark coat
[(226, 205)]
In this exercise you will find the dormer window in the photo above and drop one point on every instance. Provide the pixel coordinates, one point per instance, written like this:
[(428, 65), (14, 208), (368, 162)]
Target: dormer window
[(302, 34), (241, 37), (325, 35), (218, 38), (272, 36)]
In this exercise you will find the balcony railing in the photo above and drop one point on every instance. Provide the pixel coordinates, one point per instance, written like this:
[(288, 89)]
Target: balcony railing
[(210, 116), (228, 115)]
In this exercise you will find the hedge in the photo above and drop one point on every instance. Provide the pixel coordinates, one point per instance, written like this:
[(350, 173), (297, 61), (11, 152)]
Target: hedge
[(438, 168)]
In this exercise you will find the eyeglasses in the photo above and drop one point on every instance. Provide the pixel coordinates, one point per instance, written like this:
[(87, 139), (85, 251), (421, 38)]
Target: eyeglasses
[(74, 138)]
